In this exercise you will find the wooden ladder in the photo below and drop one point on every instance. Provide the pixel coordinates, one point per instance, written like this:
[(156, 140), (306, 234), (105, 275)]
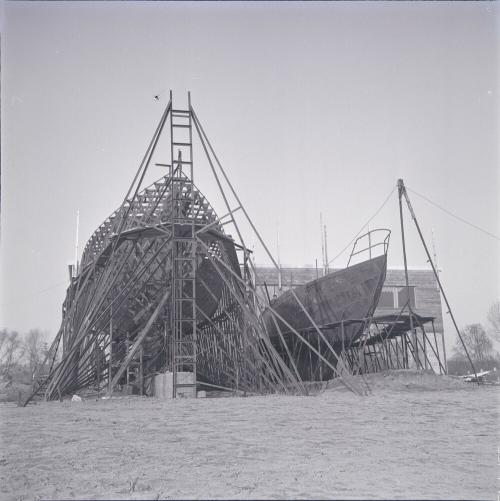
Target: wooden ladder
[(183, 299)]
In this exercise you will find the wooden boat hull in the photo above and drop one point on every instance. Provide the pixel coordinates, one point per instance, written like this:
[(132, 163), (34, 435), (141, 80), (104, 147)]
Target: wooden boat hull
[(348, 294)]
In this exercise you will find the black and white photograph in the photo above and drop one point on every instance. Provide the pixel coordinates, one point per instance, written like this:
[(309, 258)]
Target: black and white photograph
[(249, 250)]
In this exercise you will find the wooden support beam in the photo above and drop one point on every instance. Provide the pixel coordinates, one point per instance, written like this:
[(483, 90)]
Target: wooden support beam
[(139, 339)]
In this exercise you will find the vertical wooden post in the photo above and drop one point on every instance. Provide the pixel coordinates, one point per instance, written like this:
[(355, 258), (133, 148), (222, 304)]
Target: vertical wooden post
[(141, 372), (98, 368), (444, 351), (390, 364), (437, 347), (424, 342), (310, 366), (404, 348), (127, 344), (168, 350), (342, 331), (110, 368), (319, 359), (394, 342)]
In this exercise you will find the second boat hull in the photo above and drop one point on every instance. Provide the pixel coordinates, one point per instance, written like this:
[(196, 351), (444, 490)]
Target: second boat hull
[(344, 295)]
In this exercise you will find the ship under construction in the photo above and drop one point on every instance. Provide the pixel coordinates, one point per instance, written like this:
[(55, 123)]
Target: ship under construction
[(163, 288)]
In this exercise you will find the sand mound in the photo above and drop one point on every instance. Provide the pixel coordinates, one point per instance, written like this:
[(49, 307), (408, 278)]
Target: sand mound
[(405, 380)]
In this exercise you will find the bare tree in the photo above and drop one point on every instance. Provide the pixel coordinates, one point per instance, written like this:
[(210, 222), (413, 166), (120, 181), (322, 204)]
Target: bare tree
[(4, 334), (477, 342), (33, 349), (494, 320), (11, 351)]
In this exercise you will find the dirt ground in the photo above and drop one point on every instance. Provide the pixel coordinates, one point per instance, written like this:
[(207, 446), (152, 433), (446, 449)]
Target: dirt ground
[(416, 436)]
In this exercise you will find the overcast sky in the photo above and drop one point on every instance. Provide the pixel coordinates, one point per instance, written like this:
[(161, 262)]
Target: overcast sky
[(311, 107)]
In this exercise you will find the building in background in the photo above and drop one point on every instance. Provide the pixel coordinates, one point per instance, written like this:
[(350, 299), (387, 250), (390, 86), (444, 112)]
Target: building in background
[(425, 298)]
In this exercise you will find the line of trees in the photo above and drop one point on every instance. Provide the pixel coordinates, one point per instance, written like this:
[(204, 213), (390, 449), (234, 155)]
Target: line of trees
[(479, 344), (22, 351)]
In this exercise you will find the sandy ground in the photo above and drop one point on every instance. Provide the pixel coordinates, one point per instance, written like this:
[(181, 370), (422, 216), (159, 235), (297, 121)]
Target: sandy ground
[(416, 436)]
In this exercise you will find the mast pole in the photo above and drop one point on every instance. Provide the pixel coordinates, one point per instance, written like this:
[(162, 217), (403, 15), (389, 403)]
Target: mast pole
[(76, 240), (404, 192), (326, 251), (322, 242), (279, 258), (413, 333)]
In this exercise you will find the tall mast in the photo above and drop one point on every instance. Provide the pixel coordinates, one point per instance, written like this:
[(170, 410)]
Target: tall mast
[(76, 240), (279, 259), (326, 250), (401, 191), (322, 242)]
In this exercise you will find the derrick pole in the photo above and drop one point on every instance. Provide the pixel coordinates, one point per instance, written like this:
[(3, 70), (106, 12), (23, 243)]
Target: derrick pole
[(326, 251), (429, 260), (413, 333), (322, 242)]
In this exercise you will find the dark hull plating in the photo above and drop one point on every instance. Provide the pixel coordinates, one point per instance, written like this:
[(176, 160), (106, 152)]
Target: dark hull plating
[(348, 294)]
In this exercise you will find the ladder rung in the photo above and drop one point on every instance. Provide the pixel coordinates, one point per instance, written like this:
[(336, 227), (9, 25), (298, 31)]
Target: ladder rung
[(181, 144), (185, 385), (184, 126), (183, 162), (184, 112), (183, 226)]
